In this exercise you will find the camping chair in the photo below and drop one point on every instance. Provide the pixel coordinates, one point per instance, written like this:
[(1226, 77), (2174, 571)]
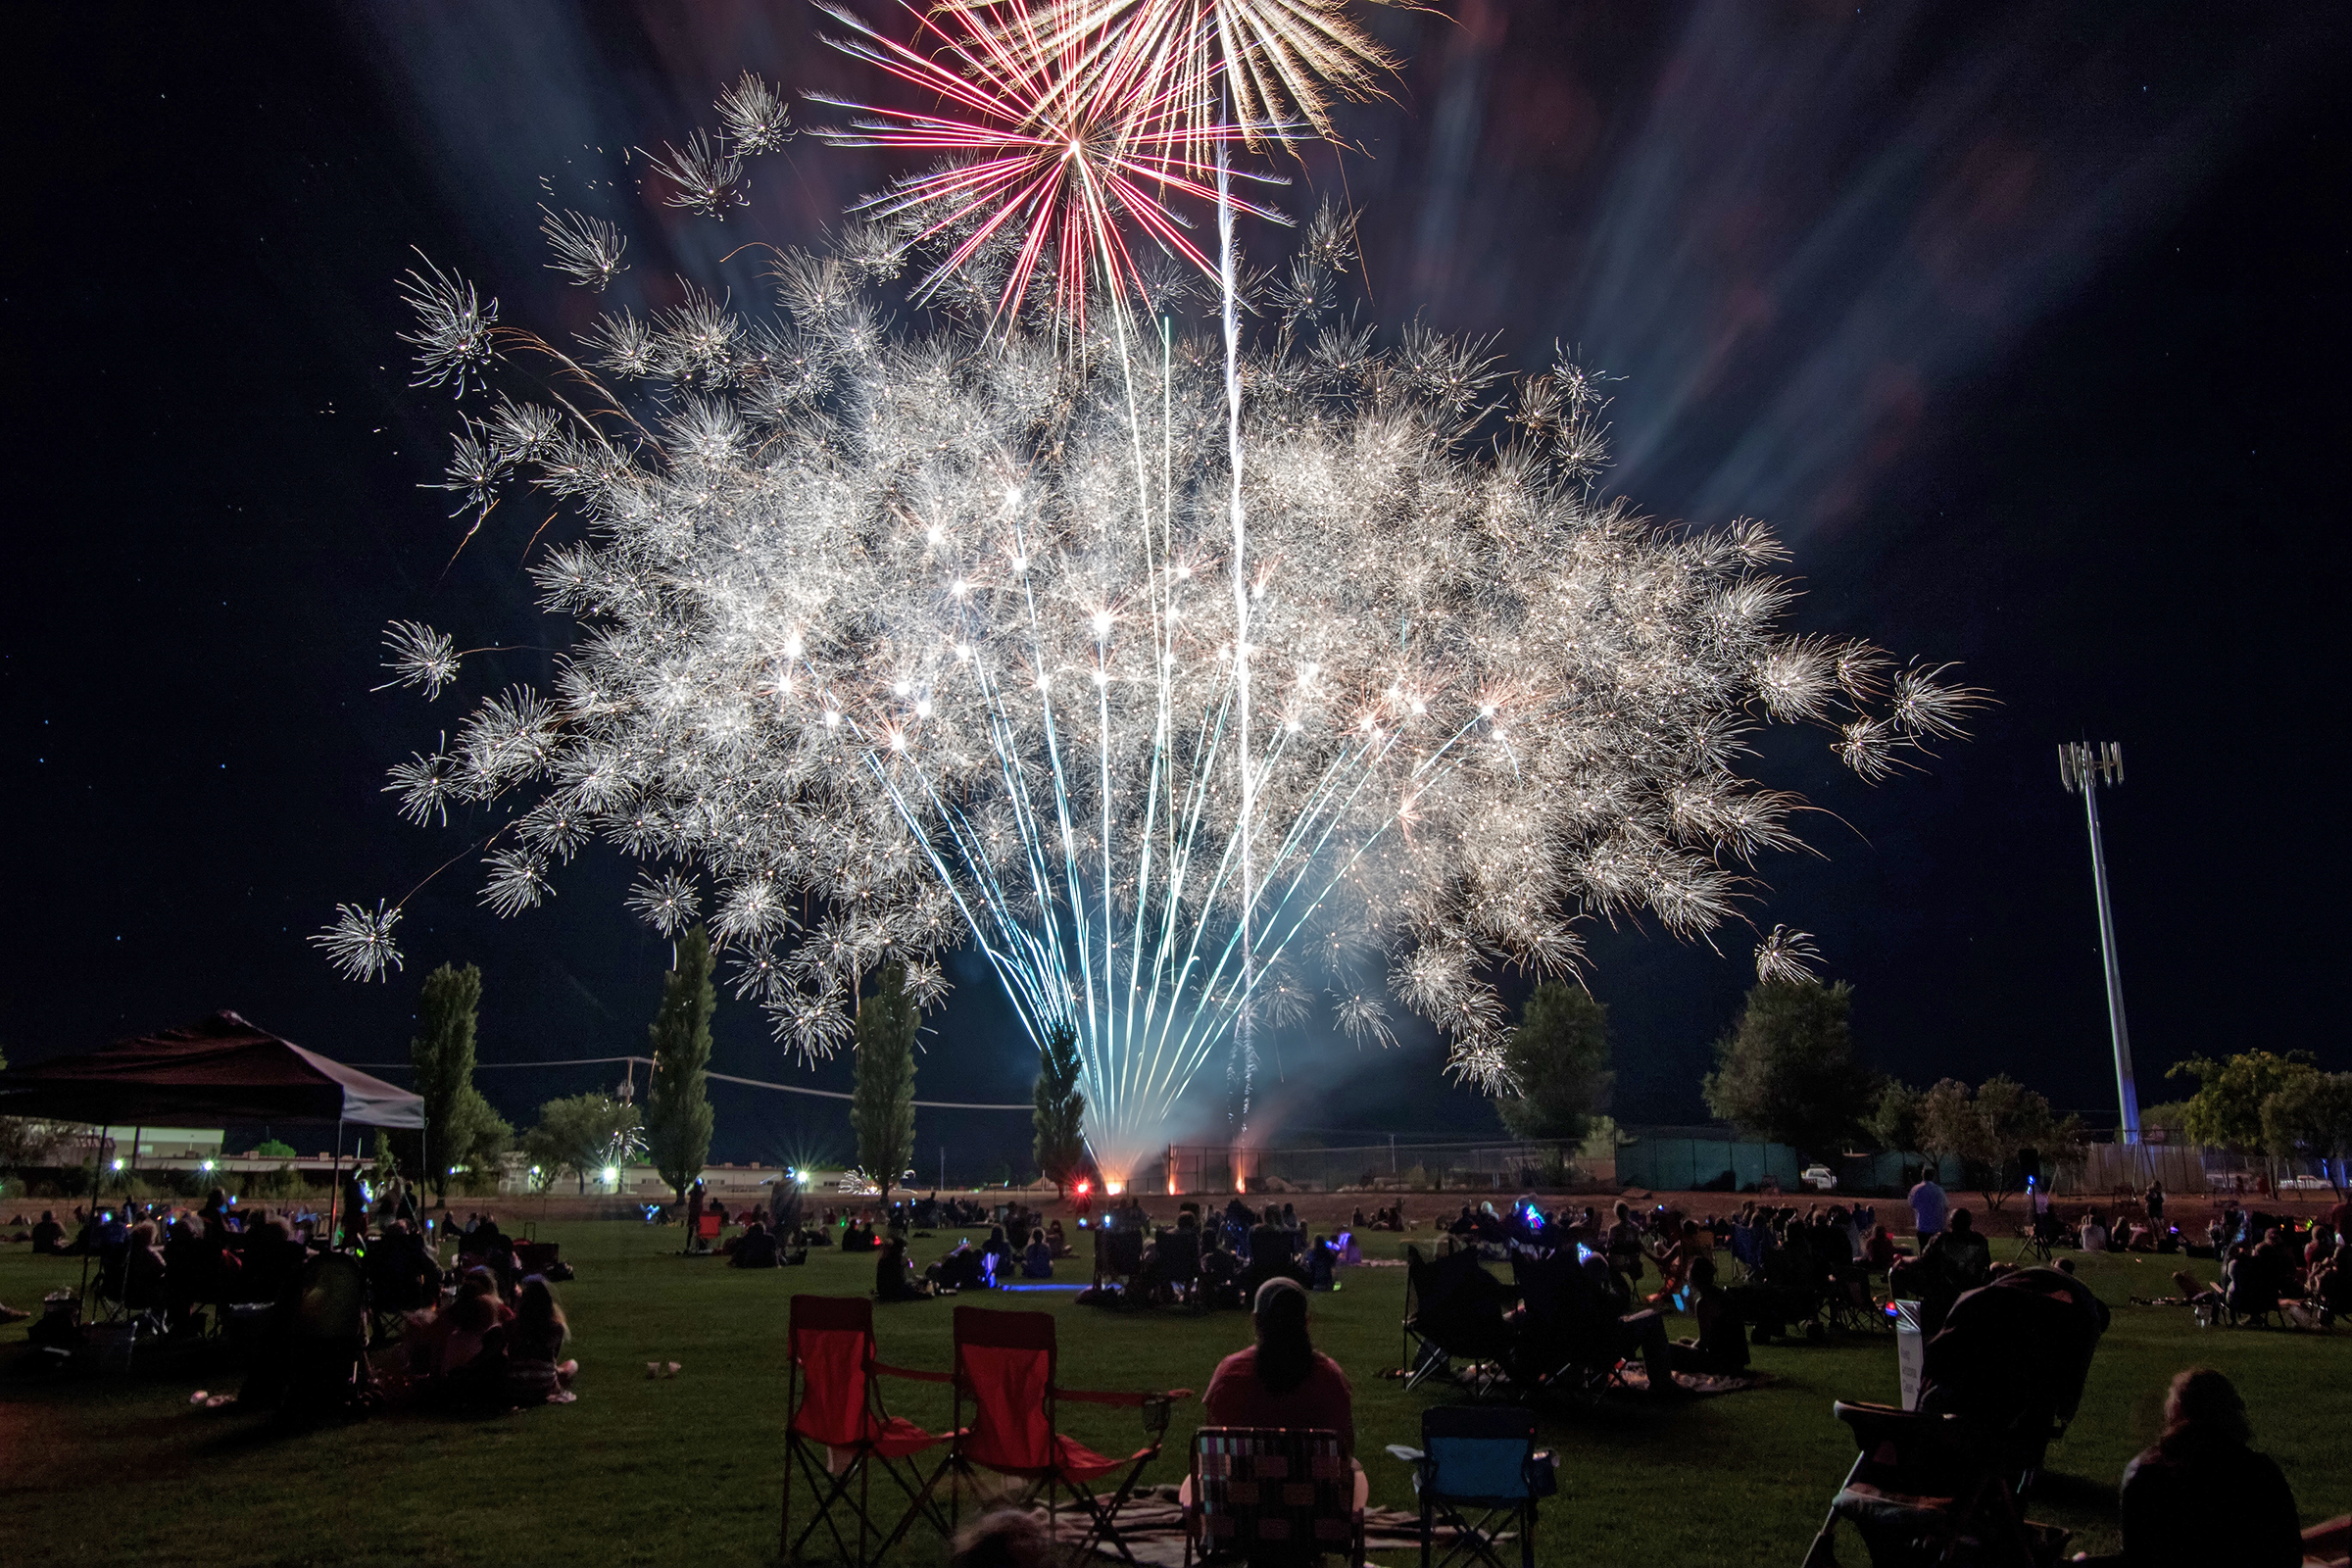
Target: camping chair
[(838, 1434), (1748, 1251), (1482, 1457), (1179, 1257), (706, 1233), (1447, 1314), (1004, 1365), (111, 1281), (1568, 1332), (312, 1358), (1852, 1309), (1919, 1493), (1270, 1494)]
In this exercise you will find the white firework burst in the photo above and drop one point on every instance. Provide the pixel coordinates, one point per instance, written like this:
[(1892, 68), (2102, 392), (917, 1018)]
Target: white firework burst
[(936, 647), (667, 903), (588, 249), (358, 941), (421, 657), (1786, 955)]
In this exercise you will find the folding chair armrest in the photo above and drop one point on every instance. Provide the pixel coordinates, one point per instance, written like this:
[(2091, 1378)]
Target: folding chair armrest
[(1131, 1401), (911, 1374)]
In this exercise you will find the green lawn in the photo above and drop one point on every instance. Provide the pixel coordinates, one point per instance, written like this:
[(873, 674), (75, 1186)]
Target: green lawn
[(687, 1471)]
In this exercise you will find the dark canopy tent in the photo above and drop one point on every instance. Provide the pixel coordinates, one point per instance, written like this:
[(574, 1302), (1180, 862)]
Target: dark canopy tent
[(216, 1071)]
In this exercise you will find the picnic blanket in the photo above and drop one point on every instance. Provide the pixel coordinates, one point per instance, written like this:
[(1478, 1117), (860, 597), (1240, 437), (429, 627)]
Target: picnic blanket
[(1153, 1528), (1632, 1375)]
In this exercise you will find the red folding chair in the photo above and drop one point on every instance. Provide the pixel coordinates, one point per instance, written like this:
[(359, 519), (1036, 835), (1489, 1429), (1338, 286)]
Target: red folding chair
[(838, 1433), (1004, 1365), (705, 1232)]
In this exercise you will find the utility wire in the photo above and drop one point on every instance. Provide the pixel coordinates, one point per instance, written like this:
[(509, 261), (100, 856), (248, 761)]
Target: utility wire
[(722, 1077)]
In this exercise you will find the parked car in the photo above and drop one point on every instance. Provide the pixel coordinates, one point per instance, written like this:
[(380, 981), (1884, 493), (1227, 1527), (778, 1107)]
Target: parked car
[(1817, 1177)]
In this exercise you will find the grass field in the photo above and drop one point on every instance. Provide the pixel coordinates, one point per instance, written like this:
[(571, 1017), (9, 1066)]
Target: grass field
[(687, 1471)]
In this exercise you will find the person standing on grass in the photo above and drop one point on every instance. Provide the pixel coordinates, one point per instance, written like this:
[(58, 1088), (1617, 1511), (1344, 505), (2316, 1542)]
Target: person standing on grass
[(1929, 1206)]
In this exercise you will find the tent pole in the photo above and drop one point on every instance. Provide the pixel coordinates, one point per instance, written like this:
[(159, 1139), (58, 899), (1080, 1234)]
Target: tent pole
[(334, 1199), (97, 1187)]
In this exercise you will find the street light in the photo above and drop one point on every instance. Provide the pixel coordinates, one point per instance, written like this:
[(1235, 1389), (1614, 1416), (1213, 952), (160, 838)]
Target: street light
[(2083, 769)]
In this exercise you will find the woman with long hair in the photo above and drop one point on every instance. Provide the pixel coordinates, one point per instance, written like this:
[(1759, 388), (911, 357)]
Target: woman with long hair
[(533, 1341), (1282, 1380), (2201, 1495)]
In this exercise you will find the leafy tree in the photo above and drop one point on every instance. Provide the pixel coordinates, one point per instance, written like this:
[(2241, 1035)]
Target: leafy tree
[(2170, 1117), (2310, 1114), (2226, 1109), (882, 1097), (1559, 1057), (1787, 1070), (1060, 1114), (580, 1135), (677, 1104), (460, 1130), (1990, 1128), (272, 1148), (1895, 1119)]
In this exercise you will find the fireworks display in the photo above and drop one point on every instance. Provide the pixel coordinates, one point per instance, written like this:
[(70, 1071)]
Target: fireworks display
[(896, 641)]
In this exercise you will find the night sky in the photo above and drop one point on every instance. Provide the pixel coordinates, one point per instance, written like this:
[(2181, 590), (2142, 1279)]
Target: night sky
[(2027, 326)]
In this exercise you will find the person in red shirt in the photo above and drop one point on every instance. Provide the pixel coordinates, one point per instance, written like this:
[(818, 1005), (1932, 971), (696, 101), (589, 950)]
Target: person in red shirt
[(1282, 1380)]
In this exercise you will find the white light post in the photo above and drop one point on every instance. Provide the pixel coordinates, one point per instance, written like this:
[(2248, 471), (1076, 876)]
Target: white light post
[(2083, 767)]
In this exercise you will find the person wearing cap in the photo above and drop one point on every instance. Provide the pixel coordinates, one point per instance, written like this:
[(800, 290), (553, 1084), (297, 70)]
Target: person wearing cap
[(1282, 1380)]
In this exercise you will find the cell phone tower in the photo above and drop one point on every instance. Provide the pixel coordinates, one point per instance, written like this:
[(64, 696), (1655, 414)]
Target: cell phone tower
[(2083, 767)]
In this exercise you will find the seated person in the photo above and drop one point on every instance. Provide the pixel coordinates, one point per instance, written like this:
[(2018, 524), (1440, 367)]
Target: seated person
[(48, 1236), (1321, 1259), (1689, 1248), (1964, 1250), (999, 1249), (2094, 1235), (449, 1341), (1220, 1273), (963, 1269), (2201, 1497), (755, 1249), (1880, 1253), (2328, 1287), (143, 1272), (1036, 1262), (1057, 1239), (893, 1275), (1282, 1380), (533, 1341), (1721, 1348)]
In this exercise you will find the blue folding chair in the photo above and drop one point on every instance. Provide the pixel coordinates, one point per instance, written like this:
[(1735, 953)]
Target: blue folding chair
[(1747, 1249), (1480, 1458)]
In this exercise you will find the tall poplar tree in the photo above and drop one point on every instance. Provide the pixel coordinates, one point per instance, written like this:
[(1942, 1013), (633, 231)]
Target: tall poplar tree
[(677, 1104), (1060, 1114), (460, 1127), (882, 1099)]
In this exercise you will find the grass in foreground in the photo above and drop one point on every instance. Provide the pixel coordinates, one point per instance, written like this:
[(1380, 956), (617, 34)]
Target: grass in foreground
[(688, 1471)]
